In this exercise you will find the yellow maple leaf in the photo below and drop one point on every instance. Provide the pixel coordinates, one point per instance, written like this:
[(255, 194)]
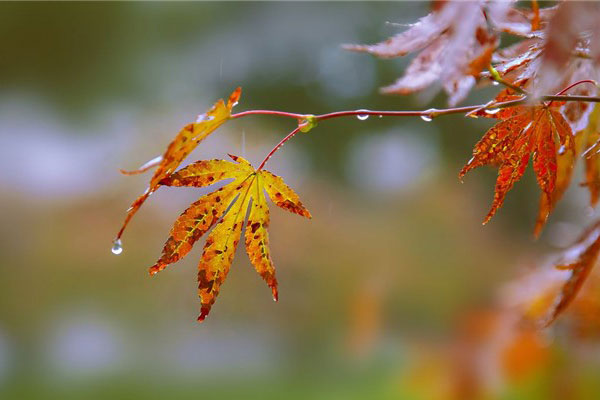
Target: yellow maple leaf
[(182, 145), (226, 209)]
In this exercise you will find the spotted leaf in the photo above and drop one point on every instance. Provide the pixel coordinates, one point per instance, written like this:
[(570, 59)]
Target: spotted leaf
[(182, 145), (219, 250), (226, 210), (257, 236), (282, 195)]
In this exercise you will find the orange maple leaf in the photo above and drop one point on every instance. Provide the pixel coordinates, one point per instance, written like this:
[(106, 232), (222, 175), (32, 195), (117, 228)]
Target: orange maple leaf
[(182, 145), (226, 209), (525, 130), (579, 259)]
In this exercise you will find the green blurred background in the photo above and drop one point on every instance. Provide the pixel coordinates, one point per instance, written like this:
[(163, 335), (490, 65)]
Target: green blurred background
[(394, 256)]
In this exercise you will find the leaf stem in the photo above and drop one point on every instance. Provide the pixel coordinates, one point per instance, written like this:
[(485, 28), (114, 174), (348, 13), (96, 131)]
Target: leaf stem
[(593, 82), (278, 146)]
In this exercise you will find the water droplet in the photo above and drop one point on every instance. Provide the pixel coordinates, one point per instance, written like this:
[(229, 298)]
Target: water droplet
[(495, 83), (117, 247), (204, 117), (380, 116), (426, 118), (492, 111), (362, 117), (562, 149)]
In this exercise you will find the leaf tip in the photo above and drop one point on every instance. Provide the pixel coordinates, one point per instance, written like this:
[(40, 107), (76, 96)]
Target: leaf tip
[(203, 314), (488, 217), (155, 269), (352, 47), (467, 167), (234, 98)]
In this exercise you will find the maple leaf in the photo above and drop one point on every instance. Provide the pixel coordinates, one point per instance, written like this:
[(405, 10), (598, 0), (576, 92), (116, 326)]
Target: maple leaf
[(182, 145), (591, 137), (579, 259), (578, 112), (545, 293), (226, 209), (542, 295), (526, 130), (574, 25), (455, 45), (519, 21), (553, 56)]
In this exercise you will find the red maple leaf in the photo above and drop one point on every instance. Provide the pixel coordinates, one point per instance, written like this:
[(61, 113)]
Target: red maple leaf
[(524, 132)]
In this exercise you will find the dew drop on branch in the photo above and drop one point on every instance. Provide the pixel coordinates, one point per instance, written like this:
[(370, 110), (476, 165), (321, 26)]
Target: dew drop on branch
[(495, 83), (426, 118), (362, 117), (117, 247)]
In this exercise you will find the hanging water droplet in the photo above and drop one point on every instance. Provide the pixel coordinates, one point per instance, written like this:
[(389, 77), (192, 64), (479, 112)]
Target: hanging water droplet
[(495, 83), (380, 116), (562, 149), (362, 117), (117, 247), (426, 118), (492, 111)]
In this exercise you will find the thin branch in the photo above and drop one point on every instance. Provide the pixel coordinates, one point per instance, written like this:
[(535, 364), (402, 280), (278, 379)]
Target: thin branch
[(495, 76), (428, 114), (268, 112), (590, 99)]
